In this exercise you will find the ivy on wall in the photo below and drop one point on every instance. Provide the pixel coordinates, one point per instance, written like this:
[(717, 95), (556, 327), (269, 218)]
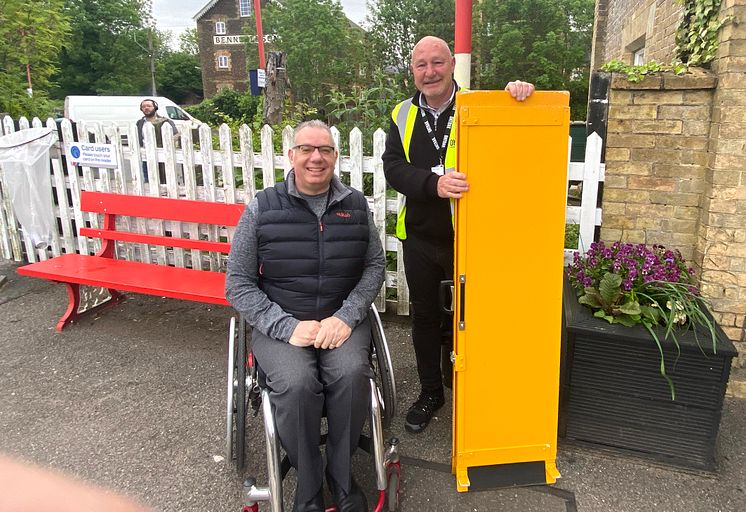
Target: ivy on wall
[(637, 73), (696, 42), (697, 35)]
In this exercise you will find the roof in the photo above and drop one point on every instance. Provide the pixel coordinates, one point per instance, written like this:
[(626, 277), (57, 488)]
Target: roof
[(209, 5)]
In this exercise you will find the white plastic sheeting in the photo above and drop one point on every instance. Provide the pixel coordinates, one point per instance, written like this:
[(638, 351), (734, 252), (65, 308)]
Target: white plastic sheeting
[(24, 157)]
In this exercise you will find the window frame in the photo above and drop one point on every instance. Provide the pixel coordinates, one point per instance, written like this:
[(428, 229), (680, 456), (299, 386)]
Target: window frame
[(638, 57)]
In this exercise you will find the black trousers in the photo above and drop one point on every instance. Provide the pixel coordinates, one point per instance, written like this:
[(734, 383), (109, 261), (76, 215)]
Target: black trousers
[(426, 265)]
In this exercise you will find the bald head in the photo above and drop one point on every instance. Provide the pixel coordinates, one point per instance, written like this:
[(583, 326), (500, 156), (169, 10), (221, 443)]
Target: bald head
[(429, 43), (432, 68)]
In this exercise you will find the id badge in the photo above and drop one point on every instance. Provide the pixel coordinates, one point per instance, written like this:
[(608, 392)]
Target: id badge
[(438, 169)]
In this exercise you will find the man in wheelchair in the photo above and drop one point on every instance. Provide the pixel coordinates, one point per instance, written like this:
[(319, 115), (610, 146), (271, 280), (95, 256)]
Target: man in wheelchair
[(305, 265)]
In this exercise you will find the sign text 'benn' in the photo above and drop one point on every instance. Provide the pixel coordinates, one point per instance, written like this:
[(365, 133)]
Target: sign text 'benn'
[(268, 38)]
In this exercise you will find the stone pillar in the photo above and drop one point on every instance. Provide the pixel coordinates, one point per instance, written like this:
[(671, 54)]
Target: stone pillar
[(721, 244), (656, 159), (598, 48)]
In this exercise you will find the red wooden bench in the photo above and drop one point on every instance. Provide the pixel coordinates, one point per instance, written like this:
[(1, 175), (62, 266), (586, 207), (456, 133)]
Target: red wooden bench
[(117, 275)]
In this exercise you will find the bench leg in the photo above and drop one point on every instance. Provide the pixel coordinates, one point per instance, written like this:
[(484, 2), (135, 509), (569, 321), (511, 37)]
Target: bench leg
[(73, 301), (73, 295)]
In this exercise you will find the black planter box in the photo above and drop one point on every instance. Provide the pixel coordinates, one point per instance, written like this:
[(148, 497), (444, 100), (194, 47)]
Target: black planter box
[(612, 393)]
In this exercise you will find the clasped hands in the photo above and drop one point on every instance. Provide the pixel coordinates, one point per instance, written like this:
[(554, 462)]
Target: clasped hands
[(329, 333)]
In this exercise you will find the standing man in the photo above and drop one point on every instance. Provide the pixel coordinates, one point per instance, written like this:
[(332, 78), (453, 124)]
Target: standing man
[(420, 162), (149, 108), (305, 265)]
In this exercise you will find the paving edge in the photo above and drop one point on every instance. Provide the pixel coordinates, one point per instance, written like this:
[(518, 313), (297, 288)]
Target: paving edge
[(736, 388)]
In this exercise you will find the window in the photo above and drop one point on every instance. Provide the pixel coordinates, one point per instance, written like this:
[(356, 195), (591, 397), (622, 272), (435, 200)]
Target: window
[(638, 57), (176, 113), (220, 27), (244, 8), (222, 62)]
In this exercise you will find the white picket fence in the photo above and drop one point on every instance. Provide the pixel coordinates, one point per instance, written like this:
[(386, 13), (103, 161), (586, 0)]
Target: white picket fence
[(225, 174)]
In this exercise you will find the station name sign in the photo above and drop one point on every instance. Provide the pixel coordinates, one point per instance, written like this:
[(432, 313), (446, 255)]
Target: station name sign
[(268, 38)]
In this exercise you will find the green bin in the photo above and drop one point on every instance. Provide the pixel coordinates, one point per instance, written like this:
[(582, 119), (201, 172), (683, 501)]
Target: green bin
[(578, 134)]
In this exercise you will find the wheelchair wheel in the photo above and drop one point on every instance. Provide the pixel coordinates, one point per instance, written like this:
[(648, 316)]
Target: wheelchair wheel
[(383, 369), (230, 397), (240, 415), (237, 405)]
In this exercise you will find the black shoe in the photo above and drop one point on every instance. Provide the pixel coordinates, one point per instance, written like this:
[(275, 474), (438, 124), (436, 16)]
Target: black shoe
[(354, 501), (316, 504), (421, 412)]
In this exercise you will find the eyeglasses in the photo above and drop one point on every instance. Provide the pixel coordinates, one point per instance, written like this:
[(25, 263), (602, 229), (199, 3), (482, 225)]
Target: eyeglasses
[(308, 149)]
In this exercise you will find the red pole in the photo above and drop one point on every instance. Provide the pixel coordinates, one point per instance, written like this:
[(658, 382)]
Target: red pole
[(260, 33), (462, 46)]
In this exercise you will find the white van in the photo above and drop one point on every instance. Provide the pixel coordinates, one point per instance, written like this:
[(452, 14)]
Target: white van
[(123, 110)]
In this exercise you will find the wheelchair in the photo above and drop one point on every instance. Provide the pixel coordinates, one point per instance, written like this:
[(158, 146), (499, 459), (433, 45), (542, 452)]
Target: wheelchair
[(245, 391)]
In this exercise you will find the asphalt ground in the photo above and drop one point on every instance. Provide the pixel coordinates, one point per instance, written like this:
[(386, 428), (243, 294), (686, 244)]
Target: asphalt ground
[(134, 400)]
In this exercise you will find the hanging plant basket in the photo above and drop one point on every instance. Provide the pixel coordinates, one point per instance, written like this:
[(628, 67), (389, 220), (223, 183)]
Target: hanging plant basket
[(613, 394)]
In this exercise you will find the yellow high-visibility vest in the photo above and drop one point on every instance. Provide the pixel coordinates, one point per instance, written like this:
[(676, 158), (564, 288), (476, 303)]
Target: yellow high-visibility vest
[(404, 116)]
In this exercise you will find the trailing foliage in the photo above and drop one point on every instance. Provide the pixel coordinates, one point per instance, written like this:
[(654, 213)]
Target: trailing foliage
[(638, 285), (697, 35), (637, 73), (696, 42)]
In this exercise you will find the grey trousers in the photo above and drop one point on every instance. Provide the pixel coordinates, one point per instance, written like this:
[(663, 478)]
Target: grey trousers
[(301, 381)]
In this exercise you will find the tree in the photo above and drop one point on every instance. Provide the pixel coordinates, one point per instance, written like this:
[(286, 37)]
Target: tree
[(180, 77), (396, 26), (546, 42), (316, 36), (31, 35), (108, 54), (189, 42)]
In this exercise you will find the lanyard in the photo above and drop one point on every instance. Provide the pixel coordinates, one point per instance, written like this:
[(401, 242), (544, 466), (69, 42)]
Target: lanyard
[(433, 138)]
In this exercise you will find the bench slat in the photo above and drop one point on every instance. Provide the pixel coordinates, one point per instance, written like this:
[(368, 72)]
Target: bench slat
[(167, 241), (164, 208), (149, 279)]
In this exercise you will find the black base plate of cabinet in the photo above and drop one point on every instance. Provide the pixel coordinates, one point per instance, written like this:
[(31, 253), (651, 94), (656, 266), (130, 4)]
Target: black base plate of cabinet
[(612, 393)]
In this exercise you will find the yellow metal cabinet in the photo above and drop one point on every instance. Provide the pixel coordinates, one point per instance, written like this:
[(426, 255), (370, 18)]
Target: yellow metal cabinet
[(508, 287)]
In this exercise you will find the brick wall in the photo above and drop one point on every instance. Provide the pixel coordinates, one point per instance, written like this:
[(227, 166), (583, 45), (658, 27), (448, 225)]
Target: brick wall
[(661, 43), (214, 78), (721, 243), (656, 159), (624, 25), (676, 170)]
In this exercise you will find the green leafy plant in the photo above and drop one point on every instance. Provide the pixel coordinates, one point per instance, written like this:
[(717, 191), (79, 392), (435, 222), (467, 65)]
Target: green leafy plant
[(697, 35), (637, 73), (632, 284), (367, 108)]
